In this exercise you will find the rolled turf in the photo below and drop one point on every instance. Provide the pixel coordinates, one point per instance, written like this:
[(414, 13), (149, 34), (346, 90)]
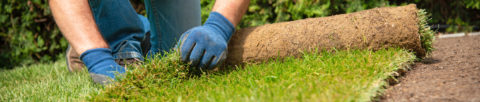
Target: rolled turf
[(374, 29)]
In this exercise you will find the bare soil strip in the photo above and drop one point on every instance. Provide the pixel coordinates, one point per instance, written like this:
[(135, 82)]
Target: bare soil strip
[(451, 74)]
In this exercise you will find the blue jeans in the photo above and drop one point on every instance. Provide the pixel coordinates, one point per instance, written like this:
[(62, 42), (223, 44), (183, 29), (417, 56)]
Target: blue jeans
[(125, 31)]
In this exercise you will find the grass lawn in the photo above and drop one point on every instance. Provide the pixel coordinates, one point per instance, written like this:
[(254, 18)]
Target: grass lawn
[(45, 82), (341, 76), (354, 75)]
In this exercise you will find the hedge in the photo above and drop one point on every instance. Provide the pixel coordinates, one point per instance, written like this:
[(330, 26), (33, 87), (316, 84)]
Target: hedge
[(28, 32)]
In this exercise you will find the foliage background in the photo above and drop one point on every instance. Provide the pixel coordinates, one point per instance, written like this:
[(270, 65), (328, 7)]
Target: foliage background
[(28, 33)]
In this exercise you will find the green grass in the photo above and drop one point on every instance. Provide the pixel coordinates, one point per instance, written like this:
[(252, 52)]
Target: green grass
[(427, 36), (45, 82), (341, 76)]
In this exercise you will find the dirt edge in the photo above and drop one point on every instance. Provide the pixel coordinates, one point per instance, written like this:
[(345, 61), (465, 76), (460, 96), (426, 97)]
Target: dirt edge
[(393, 77)]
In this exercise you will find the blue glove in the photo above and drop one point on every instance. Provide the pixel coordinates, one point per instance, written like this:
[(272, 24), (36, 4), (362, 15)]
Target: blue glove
[(101, 65), (206, 46)]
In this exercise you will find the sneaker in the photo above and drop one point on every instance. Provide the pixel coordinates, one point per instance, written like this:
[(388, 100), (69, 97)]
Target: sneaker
[(74, 64)]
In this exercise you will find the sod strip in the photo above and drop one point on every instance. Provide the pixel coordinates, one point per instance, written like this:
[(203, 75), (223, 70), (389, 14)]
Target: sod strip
[(355, 75), (373, 29)]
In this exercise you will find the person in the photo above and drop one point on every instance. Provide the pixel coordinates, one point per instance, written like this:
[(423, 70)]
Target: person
[(106, 34)]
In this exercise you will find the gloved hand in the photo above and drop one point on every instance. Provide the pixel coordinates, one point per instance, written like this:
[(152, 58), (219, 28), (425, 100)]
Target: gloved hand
[(206, 46), (101, 65)]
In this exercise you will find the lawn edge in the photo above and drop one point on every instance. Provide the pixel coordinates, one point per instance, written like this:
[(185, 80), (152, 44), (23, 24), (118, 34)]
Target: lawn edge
[(403, 64)]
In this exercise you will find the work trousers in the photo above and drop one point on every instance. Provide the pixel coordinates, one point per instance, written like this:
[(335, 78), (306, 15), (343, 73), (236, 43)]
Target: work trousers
[(131, 35)]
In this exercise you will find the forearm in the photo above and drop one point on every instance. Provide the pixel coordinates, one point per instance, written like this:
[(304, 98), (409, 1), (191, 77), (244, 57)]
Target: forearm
[(75, 20), (233, 10)]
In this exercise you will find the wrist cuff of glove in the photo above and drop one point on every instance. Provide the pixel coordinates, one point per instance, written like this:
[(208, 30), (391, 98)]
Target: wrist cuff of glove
[(220, 23), (93, 57)]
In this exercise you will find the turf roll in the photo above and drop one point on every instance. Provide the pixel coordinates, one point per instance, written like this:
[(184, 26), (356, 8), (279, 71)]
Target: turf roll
[(373, 29)]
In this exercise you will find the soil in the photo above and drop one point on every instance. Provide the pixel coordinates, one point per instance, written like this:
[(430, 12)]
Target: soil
[(372, 29), (451, 74)]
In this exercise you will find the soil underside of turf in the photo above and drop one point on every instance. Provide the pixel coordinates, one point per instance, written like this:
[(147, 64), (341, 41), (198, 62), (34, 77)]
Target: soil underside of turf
[(452, 73), (372, 29)]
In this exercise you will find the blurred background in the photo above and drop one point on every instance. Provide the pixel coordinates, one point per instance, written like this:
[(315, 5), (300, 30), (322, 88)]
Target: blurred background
[(28, 33)]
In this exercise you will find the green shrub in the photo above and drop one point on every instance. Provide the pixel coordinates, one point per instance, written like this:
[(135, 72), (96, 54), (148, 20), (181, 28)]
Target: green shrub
[(472, 4), (461, 15), (28, 33), (262, 12)]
